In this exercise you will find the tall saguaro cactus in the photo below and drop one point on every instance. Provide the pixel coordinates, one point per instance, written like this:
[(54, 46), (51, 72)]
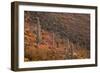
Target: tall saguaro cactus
[(38, 31), (53, 40)]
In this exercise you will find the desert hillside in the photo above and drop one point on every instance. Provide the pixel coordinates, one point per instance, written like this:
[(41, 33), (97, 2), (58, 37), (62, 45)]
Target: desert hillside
[(56, 36)]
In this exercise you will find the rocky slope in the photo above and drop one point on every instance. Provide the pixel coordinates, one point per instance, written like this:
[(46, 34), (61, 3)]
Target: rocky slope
[(56, 36)]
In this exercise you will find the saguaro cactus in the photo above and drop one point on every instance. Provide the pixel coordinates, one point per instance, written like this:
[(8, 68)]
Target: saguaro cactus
[(38, 31), (53, 40)]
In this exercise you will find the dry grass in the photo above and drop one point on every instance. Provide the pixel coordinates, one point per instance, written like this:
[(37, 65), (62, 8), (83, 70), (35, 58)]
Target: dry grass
[(72, 45)]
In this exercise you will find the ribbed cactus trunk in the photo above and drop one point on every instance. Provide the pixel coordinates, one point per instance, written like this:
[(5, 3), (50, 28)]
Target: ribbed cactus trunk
[(69, 49), (53, 40), (38, 31)]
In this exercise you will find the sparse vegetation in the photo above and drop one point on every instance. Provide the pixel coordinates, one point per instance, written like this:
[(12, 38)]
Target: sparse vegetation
[(56, 36)]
